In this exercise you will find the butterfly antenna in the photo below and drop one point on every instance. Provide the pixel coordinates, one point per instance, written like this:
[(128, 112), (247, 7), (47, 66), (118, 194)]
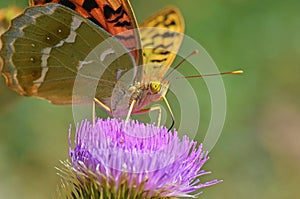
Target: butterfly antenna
[(236, 72), (182, 61), (171, 112)]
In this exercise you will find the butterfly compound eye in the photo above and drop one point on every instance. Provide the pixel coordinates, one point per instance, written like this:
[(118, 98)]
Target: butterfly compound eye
[(155, 87)]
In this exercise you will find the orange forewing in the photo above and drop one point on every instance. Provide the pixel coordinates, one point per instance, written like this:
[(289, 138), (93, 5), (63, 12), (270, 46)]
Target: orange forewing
[(115, 16)]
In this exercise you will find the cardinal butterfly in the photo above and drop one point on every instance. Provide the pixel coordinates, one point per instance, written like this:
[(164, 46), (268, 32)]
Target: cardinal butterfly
[(46, 47)]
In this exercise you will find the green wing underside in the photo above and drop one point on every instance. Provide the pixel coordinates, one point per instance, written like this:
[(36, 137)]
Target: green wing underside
[(45, 50)]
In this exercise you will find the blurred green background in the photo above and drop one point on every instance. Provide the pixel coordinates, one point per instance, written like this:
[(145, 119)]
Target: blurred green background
[(258, 153)]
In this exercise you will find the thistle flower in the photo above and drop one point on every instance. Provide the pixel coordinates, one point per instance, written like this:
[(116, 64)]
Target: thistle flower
[(114, 160)]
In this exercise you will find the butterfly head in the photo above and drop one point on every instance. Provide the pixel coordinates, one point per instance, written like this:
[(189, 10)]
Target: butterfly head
[(158, 89)]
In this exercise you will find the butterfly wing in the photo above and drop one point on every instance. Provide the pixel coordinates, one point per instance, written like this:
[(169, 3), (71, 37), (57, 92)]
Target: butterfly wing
[(160, 43), (46, 48), (114, 16)]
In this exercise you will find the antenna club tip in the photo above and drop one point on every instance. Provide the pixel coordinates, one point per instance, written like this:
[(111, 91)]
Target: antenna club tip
[(238, 72), (196, 51)]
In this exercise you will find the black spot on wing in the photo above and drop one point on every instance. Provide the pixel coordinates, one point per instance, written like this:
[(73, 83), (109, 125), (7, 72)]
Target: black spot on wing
[(148, 44), (67, 3), (163, 52), (158, 60), (109, 12), (172, 23), (120, 12), (123, 24), (164, 35), (162, 46), (90, 5), (39, 2)]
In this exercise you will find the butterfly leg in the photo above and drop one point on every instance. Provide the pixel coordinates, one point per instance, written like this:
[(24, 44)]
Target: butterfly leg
[(93, 113), (153, 108), (130, 111), (158, 108), (106, 108), (171, 112)]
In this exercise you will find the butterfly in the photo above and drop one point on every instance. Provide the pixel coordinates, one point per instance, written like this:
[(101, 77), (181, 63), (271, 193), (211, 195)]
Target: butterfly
[(46, 47), (114, 16)]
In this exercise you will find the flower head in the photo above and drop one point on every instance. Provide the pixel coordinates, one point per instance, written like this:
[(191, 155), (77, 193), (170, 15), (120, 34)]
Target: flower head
[(133, 160)]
